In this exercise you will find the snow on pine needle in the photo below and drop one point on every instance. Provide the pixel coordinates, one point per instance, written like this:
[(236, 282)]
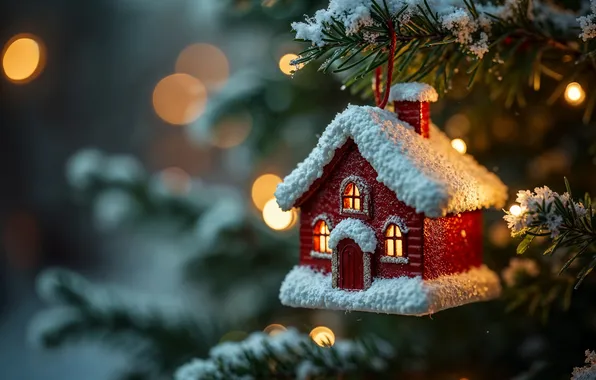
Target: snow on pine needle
[(587, 23), (567, 222), (588, 372), (287, 355)]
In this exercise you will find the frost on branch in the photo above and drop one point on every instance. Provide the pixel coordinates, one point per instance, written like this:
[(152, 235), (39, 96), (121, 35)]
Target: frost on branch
[(287, 355), (588, 372), (471, 29), (588, 23), (539, 210)]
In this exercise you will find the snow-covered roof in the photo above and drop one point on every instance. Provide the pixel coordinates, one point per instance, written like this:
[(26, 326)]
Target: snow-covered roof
[(413, 92), (306, 287), (426, 174), (356, 230)]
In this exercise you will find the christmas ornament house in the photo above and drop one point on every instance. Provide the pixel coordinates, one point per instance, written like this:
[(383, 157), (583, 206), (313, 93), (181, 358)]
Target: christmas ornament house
[(390, 214)]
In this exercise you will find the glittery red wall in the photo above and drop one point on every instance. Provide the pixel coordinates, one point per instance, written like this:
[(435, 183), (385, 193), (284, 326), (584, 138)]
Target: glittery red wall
[(452, 244), (417, 114), (324, 198)]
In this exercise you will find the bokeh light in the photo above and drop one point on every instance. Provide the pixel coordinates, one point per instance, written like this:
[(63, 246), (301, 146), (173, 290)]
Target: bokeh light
[(176, 180), (23, 58), (231, 131), (205, 62), (276, 218), (515, 210), (458, 125), (274, 329), (459, 145), (285, 64), (179, 99), (323, 336), (574, 94), (263, 189)]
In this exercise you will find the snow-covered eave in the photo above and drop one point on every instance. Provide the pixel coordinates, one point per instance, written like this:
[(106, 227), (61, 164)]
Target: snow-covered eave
[(425, 193), (356, 230)]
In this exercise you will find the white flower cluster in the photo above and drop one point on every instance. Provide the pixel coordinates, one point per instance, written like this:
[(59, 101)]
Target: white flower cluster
[(470, 32), (517, 268), (587, 372), (538, 210), (588, 23), (284, 345)]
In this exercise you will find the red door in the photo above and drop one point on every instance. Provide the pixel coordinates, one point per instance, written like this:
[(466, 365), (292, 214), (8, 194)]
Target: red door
[(351, 276)]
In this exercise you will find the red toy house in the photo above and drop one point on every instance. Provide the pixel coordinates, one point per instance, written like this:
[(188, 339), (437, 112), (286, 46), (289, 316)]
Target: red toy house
[(391, 215)]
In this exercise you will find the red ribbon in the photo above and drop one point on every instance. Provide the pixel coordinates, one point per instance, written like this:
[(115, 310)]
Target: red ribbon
[(382, 103)]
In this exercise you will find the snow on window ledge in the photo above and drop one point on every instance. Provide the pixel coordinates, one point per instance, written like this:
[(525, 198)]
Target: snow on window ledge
[(320, 255), (395, 260)]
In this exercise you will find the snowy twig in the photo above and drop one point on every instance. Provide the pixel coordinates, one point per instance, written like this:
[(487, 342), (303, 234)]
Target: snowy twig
[(438, 38), (288, 355), (157, 333), (567, 222)]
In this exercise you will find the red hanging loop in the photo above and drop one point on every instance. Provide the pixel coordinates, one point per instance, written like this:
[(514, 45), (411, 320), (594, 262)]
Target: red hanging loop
[(382, 103)]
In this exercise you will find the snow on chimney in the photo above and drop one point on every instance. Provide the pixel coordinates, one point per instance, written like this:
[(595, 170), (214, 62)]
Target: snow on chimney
[(412, 104)]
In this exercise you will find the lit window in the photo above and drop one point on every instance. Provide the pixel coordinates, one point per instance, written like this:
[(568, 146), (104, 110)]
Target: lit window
[(352, 198), (321, 237), (394, 244)]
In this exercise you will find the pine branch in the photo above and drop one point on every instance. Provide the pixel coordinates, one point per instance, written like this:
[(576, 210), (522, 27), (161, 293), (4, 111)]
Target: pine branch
[(507, 47), (568, 223), (158, 335), (289, 355)]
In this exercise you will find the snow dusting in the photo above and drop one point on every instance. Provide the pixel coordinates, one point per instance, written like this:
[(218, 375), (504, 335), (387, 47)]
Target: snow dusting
[(356, 230), (453, 18), (588, 372), (588, 23), (305, 287), (294, 348), (427, 174), (413, 92)]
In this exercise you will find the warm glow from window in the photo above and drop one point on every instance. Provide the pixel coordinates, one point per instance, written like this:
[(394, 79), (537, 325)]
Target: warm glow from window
[(459, 145), (323, 336), (206, 63), (285, 64), (321, 237), (263, 189), (274, 329), (179, 99), (352, 198), (23, 58), (574, 94), (394, 241), (276, 218), (515, 210)]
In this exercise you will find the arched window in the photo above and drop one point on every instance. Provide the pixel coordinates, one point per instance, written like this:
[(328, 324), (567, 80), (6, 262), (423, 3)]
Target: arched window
[(352, 199), (321, 237), (394, 243)]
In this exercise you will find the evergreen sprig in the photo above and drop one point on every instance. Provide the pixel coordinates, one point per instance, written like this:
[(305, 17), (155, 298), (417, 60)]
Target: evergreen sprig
[(513, 57), (152, 333), (568, 223), (290, 355)]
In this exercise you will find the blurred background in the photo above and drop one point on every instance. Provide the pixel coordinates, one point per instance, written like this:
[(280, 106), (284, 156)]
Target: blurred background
[(141, 142)]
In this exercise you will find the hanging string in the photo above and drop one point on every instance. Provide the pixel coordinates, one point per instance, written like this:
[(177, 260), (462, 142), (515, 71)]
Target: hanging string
[(381, 103)]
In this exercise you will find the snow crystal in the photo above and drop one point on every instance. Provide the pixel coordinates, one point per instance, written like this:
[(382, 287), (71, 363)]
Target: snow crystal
[(587, 372), (356, 230), (426, 174), (413, 92), (305, 287)]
